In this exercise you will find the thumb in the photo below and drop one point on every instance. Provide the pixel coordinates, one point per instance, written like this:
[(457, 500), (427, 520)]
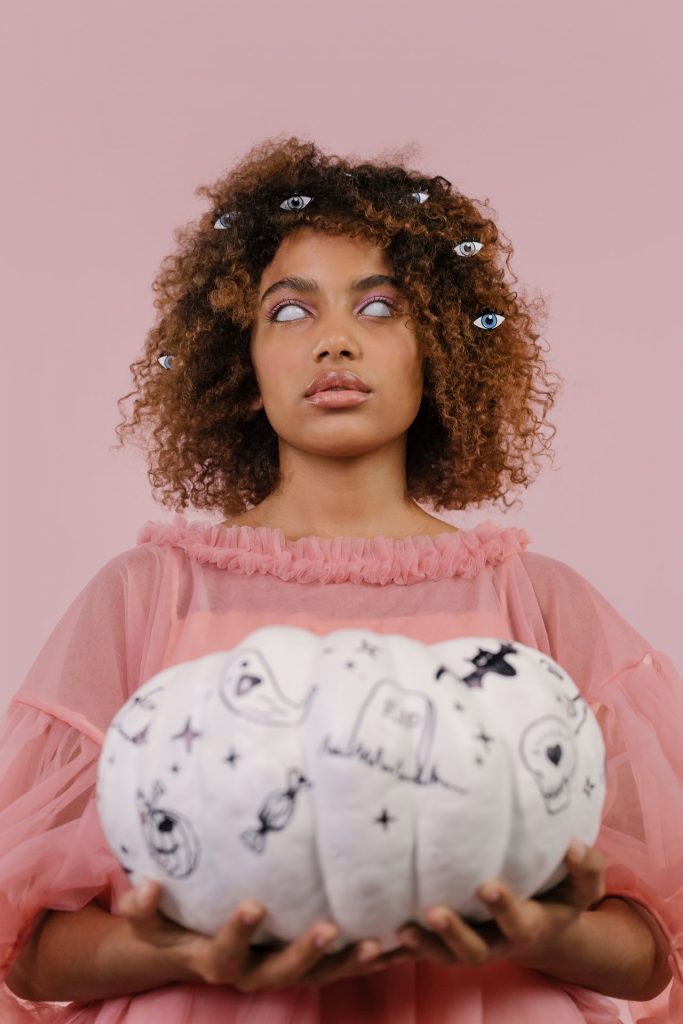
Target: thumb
[(141, 901)]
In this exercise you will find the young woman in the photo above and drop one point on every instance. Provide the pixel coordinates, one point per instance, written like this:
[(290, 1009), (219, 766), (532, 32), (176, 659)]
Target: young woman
[(311, 272)]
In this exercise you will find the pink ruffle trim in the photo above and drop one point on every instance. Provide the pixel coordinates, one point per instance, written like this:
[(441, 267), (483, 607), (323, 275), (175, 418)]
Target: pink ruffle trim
[(313, 559)]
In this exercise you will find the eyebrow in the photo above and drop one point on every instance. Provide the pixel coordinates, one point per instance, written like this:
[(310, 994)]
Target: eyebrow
[(303, 284)]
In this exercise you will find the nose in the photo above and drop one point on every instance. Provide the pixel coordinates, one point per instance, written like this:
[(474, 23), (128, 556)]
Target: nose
[(335, 339)]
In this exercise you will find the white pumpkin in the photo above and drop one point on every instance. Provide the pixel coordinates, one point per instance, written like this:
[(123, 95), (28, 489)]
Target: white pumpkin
[(359, 777)]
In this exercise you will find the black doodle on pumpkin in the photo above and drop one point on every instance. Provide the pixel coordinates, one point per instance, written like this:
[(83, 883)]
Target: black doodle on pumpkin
[(188, 734), (548, 749), (385, 819), (132, 722), (276, 811), (248, 687), (387, 701), (128, 871), (169, 836), (573, 703), (490, 661), (551, 668)]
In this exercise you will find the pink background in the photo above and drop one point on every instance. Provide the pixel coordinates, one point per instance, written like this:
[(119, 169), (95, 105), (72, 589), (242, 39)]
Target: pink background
[(566, 117)]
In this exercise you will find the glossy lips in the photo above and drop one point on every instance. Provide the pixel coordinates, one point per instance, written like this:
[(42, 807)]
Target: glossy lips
[(338, 399), (336, 379)]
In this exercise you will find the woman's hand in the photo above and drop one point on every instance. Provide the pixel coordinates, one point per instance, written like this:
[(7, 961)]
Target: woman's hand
[(227, 959), (522, 928)]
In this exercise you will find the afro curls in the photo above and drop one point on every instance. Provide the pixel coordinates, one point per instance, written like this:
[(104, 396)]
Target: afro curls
[(486, 392)]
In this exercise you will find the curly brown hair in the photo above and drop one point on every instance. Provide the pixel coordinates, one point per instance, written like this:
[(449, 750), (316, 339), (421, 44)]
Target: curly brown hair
[(476, 427)]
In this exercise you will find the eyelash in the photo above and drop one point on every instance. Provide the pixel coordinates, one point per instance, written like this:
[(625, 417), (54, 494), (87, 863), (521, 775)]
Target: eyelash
[(288, 302)]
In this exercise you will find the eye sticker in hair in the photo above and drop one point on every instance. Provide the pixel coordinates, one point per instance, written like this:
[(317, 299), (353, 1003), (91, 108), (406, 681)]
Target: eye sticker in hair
[(468, 247), (225, 219), (295, 202), (489, 320), (165, 361), (420, 197)]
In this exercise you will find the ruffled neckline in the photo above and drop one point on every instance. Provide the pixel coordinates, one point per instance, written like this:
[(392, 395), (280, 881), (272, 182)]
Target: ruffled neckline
[(380, 560)]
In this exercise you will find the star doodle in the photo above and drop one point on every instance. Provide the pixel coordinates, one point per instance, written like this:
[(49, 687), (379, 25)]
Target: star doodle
[(384, 818), (189, 735)]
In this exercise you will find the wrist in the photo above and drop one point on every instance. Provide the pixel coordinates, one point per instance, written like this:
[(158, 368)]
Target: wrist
[(167, 964), (608, 949), (557, 950)]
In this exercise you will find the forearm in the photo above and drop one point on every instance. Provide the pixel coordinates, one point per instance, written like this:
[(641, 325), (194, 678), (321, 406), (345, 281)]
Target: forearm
[(88, 954), (610, 949)]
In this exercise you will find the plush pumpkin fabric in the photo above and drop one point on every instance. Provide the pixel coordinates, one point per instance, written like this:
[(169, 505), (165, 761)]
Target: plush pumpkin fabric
[(187, 589)]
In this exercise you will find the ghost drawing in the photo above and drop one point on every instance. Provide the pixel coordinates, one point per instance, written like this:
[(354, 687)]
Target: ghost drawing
[(249, 688), (548, 750), (395, 728), (134, 720)]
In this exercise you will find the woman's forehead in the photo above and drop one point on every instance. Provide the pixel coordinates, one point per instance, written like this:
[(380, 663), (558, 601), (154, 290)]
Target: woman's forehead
[(304, 249)]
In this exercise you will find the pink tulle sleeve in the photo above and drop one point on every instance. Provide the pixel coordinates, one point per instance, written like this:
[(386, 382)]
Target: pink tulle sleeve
[(52, 851), (637, 695)]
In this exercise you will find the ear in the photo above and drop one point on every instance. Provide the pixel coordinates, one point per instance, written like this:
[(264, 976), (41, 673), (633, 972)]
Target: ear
[(256, 404)]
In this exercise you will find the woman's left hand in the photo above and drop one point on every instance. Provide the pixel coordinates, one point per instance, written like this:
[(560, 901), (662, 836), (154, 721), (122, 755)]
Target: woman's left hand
[(522, 928)]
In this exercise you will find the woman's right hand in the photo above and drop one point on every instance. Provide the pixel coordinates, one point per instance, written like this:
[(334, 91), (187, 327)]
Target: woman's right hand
[(226, 958)]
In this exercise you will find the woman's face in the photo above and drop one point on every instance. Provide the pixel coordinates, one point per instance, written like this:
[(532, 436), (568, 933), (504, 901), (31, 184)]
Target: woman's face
[(334, 324)]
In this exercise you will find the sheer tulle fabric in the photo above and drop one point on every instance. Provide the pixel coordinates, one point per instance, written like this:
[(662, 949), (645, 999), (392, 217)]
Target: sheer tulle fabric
[(189, 588)]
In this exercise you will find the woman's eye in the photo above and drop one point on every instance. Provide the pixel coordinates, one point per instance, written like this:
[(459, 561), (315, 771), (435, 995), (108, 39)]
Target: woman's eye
[(225, 219), (468, 248), (288, 305), (488, 321), (295, 202), (377, 302)]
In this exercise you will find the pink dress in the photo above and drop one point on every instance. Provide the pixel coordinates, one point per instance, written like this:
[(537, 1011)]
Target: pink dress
[(187, 589)]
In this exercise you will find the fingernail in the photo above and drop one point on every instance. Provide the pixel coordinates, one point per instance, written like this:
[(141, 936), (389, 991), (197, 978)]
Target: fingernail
[(368, 951), (439, 920), (577, 849), (324, 936), (489, 892), (250, 914), (145, 892)]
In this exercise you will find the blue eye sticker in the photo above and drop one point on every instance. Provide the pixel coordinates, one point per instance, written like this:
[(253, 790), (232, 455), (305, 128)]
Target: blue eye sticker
[(165, 361), (420, 197), (295, 202), (468, 247), (226, 219), (489, 320)]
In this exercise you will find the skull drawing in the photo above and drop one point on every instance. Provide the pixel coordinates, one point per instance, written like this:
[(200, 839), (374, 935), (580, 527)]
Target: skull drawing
[(548, 750)]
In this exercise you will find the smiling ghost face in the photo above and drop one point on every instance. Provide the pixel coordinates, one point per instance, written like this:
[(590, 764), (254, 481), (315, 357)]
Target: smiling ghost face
[(249, 687)]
